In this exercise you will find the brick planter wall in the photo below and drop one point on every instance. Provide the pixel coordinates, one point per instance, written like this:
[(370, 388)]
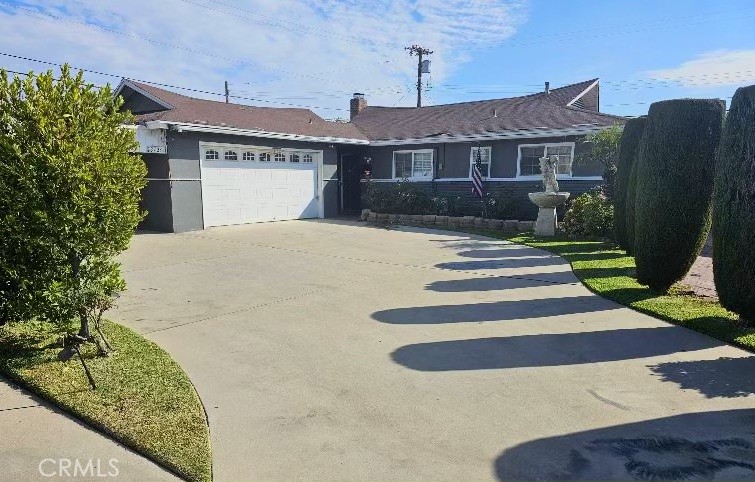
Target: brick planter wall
[(451, 222)]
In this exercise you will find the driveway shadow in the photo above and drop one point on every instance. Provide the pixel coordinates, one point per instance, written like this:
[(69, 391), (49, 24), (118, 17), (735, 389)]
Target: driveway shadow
[(695, 446), (498, 283), (724, 377), (548, 349), (494, 311), (502, 263)]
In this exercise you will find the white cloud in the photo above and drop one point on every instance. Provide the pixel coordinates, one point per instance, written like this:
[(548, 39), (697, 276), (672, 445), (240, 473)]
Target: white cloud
[(313, 52), (712, 69)]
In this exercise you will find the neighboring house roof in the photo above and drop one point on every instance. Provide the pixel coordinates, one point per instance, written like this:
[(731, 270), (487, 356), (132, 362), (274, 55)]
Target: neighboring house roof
[(536, 112), (180, 109)]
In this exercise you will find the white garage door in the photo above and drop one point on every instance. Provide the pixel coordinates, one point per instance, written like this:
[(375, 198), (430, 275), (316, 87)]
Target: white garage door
[(248, 184)]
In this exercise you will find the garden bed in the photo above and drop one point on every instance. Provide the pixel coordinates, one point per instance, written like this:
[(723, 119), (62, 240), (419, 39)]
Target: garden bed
[(143, 398)]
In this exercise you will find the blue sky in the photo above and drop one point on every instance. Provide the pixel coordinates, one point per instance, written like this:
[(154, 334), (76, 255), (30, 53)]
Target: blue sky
[(316, 52), (619, 42)]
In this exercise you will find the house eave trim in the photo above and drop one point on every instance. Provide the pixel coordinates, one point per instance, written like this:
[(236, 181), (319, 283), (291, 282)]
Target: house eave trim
[(131, 85), (581, 94), (183, 126), (528, 134)]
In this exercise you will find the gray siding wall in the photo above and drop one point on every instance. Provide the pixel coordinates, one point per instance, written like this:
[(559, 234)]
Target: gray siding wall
[(156, 202), (452, 159), (156, 195)]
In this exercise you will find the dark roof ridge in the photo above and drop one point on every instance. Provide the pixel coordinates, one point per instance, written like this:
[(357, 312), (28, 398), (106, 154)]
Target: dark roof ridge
[(170, 92), (500, 99)]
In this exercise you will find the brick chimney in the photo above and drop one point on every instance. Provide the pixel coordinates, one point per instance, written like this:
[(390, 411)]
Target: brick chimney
[(357, 104)]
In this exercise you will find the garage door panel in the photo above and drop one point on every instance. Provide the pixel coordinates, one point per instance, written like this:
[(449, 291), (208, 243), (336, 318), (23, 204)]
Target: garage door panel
[(247, 192)]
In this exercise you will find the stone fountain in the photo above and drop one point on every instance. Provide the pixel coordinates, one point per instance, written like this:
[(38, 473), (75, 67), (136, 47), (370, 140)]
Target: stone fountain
[(549, 199)]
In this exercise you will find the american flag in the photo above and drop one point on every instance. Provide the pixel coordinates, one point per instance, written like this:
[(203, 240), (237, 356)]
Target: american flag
[(477, 176)]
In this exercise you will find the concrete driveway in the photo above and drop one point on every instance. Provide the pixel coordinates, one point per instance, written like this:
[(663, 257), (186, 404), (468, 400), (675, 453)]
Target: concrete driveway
[(332, 350)]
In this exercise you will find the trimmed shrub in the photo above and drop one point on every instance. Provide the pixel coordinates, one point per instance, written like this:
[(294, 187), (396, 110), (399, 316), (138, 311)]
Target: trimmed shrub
[(445, 205), (628, 152), (69, 197), (734, 208), (589, 214), (674, 188)]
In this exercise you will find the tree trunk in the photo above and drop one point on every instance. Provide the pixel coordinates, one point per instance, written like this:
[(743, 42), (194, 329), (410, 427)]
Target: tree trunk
[(75, 261)]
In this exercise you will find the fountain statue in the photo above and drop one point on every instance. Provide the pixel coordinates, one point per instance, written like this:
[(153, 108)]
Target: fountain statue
[(549, 199)]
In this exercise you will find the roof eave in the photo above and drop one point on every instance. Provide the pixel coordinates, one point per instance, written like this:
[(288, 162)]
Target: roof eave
[(133, 86), (581, 94), (185, 126), (492, 136)]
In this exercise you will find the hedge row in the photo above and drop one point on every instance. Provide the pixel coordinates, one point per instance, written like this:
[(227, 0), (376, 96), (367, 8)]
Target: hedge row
[(675, 187), (734, 208), (626, 181)]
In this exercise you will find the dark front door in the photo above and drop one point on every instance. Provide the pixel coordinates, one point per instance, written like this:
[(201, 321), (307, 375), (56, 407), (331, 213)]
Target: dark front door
[(351, 175)]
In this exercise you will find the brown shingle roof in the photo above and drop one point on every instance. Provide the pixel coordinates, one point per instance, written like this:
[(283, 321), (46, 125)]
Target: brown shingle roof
[(269, 119), (531, 112), (536, 111)]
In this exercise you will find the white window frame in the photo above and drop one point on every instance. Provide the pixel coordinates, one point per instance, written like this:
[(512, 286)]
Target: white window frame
[(230, 151), (473, 159), (545, 145), (413, 152), (216, 155), (266, 155), (306, 158), (246, 154), (278, 155)]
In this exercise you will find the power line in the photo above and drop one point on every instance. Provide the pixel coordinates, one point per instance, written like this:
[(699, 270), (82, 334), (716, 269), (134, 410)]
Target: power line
[(161, 43), (170, 86)]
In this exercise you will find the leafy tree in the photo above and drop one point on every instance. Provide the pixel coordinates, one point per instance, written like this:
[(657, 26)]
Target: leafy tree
[(69, 197), (674, 188), (623, 199), (603, 149), (734, 208)]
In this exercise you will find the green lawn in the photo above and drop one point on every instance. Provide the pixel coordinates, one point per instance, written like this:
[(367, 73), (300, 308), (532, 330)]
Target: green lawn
[(608, 271), (143, 397)]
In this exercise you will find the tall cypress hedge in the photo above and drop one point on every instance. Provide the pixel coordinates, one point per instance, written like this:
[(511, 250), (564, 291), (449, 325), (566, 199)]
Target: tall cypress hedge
[(675, 187), (628, 151), (734, 208)]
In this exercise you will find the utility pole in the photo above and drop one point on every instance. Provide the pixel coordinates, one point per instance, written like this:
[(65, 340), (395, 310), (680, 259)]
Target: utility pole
[(227, 93), (419, 51)]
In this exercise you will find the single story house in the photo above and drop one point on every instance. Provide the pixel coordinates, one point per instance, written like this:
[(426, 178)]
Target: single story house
[(214, 163)]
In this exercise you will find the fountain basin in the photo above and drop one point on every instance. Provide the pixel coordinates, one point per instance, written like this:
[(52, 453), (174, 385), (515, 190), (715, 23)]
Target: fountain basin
[(546, 215), (548, 199)]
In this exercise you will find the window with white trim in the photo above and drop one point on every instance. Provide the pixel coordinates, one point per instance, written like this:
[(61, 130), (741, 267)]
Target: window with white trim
[(279, 157), (416, 165), (231, 156), (264, 157), (294, 157), (211, 155), (484, 160), (530, 154), (306, 158), (247, 156)]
